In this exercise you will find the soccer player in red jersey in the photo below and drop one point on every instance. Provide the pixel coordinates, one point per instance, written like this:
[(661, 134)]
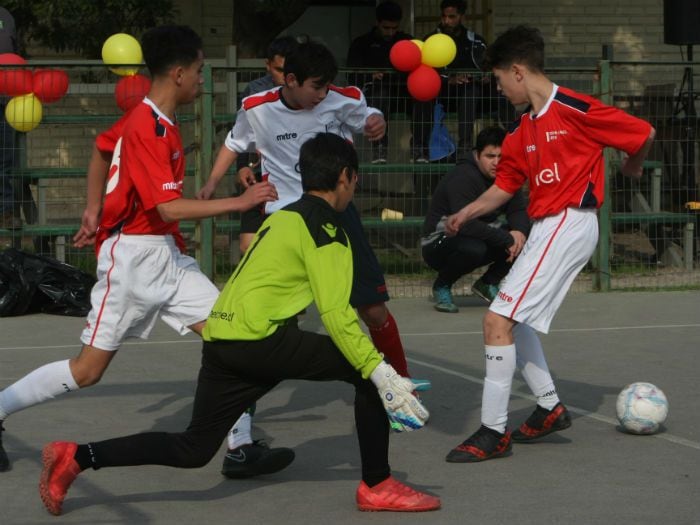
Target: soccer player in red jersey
[(248, 350), (142, 270), (557, 147)]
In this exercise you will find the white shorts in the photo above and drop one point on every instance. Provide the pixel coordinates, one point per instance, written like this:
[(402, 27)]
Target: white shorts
[(140, 277), (555, 252)]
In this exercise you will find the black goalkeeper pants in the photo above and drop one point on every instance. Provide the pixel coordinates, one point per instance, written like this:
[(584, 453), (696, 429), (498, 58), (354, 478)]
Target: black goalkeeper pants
[(234, 374)]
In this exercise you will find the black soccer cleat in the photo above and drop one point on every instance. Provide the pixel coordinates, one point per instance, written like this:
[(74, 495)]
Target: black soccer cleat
[(4, 460), (255, 459), (542, 422), (483, 444)]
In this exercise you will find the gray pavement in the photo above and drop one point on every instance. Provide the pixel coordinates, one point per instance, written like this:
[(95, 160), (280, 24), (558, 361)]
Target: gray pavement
[(589, 474)]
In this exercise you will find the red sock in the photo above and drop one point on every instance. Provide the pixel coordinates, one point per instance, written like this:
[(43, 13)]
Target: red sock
[(388, 341)]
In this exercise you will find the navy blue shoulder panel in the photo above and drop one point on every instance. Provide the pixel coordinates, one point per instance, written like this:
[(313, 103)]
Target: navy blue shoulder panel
[(573, 102)]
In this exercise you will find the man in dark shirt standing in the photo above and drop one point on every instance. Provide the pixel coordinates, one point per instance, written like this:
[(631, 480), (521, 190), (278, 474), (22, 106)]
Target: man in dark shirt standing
[(384, 91), (468, 95), (480, 242)]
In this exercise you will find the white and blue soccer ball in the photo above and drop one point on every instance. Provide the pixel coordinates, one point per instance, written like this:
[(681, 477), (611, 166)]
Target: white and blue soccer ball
[(641, 408)]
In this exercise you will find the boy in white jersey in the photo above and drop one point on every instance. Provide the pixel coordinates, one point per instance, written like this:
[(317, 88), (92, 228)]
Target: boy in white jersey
[(276, 123), (558, 147)]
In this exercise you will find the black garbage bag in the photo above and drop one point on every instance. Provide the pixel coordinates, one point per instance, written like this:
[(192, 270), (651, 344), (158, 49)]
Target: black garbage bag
[(34, 283)]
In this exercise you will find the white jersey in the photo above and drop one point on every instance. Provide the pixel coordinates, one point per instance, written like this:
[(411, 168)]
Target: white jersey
[(265, 123)]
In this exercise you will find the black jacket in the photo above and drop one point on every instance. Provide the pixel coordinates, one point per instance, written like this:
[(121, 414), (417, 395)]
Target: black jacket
[(464, 184), (470, 48), (372, 51)]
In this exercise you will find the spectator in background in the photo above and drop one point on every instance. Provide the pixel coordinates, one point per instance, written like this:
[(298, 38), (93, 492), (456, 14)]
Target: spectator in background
[(486, 241), (469, 95), (248, 164), (384, 91), (8, 219)]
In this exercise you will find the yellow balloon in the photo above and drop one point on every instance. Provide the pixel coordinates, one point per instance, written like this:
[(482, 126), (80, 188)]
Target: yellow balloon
[(24, 112), (419, 43), (122, 49), (438, 50)]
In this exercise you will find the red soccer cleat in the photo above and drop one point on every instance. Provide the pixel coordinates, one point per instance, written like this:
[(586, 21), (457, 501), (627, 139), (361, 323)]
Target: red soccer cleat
[(60, 469), (483, 444), (392, 495), (543, 422)]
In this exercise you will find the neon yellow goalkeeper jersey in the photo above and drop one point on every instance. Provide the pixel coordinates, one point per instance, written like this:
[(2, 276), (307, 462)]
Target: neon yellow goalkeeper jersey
[(299, 255)]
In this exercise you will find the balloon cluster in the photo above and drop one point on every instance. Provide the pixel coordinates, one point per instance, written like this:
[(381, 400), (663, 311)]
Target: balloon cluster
[(419, 59), (28, 90), (120, 49)]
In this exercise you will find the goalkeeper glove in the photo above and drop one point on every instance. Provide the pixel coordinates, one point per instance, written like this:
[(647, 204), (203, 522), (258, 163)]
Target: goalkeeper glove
[(405, 411)]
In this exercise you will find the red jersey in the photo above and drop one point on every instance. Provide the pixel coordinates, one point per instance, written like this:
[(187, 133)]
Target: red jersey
[(148, 168), (560, 151)]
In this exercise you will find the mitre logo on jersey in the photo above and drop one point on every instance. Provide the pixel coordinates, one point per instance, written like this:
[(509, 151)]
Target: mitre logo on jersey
[(548, 175), (286, 136), (554, 135), (172, 186)]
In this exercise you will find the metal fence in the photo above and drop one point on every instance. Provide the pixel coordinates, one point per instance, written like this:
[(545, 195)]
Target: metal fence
[(648, 237)]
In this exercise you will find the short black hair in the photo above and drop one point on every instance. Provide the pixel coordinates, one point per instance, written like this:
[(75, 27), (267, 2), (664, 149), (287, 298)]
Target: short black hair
[(311, 60), (167, 46), (389, 11), (491, 136), (323, 158), (281, 46), (520, 44), (459, 5)]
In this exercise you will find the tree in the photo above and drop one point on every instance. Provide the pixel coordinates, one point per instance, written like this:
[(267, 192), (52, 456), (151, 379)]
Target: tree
[(256, 23), (82, 26)]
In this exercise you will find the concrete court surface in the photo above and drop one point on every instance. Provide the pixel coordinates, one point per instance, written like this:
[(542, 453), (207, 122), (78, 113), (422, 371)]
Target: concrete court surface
[(589, 474)]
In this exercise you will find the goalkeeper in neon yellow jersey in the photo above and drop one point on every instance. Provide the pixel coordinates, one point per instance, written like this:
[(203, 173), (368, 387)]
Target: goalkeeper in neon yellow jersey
[(252, 342)]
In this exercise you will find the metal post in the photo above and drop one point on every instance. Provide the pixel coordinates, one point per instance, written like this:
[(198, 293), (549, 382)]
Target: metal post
[(688, 238), (601, 278), (204, 120), (656, 190)]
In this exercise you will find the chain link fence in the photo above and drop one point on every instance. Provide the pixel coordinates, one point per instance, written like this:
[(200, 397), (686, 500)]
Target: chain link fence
[(648, 235)]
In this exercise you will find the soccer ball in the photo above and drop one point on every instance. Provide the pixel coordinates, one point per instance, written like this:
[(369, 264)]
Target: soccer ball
[(641, 408)]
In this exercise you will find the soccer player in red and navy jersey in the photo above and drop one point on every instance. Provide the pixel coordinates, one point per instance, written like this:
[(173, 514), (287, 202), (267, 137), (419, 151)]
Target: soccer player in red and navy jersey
[(557, 147), (142, 270)]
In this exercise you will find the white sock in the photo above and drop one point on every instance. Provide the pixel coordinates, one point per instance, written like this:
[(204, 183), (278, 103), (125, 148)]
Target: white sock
[(239, 434), (38, 386), (500, 367), (533, 366)]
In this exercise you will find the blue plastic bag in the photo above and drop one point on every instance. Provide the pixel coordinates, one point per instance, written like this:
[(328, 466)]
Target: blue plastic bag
[(441, 144)]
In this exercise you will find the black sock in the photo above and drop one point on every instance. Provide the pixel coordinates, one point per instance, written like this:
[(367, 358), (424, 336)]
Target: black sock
[(374, 479), (85, 458)]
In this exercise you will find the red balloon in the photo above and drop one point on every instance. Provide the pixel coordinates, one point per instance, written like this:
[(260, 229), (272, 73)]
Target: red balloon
[(130, 90), (11, 59), (405, 55), (50, 85), (424, 83), (14, 82)]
